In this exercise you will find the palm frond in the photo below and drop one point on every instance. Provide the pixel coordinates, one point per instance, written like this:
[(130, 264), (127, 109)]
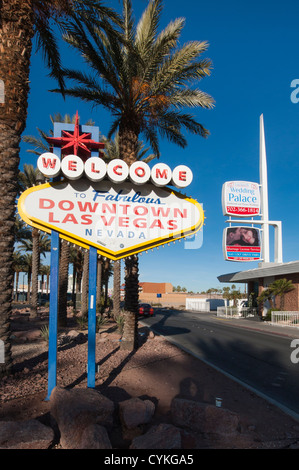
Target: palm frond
[(191, 99), (147, 28), (181, 66)]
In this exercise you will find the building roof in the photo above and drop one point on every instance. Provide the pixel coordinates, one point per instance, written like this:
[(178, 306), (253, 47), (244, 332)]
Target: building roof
[(272, 269)]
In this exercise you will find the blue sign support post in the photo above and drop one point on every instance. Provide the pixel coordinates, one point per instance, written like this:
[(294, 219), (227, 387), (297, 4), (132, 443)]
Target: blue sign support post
[(53, 314), (91, 365)]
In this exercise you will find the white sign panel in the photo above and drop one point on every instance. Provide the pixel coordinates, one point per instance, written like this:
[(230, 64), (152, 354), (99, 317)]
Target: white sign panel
[(117, 219), (242, 243), (241, 198)]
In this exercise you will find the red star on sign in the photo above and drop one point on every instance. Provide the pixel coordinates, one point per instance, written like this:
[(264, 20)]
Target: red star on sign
[(76, 143)]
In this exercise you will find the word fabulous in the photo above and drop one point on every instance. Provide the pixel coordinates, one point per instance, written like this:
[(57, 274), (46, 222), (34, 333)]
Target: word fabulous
[(117, 170)]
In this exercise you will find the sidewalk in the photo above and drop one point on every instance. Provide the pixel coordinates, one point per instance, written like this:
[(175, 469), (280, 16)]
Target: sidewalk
[(265, 327)]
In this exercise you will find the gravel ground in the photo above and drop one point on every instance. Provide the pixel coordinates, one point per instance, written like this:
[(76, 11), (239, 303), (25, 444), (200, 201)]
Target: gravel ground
[(158, 370)]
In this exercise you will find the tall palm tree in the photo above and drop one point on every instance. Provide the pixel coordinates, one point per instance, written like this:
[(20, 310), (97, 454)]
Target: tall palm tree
[(21, 231), (116, 287), (27, 257), (111, 150), (27, 179), (44, 270), (44, 246), (18, 267), (146, 80), (21, 20)]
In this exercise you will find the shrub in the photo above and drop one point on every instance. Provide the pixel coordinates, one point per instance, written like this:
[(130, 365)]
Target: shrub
[(120, 321), (82, 322), (44, 332), (101, 321)]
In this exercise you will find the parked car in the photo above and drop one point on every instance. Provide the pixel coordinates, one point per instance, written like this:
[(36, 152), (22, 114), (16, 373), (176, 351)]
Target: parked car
[(146, 309)]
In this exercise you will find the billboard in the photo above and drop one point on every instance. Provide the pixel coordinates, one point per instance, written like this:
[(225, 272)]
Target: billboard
[(241, 198), (117, 219), (242, 243)]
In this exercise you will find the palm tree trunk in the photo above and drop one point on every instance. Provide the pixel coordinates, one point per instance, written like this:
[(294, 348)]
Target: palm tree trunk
[(35, 270), (17, 284), (130, 336), (116, 288), (48, 279), (29, 286), (16, 32), (128, 143), (63, 282), (128, 140)]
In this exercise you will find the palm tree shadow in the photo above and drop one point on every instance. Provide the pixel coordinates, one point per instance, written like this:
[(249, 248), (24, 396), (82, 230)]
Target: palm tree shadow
[(83, 376), (167, 329)]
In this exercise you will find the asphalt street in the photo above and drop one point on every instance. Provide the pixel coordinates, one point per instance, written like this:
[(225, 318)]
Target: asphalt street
[(260, 356)]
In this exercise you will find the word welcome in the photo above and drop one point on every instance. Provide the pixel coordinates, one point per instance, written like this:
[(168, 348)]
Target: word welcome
[(117, 170)]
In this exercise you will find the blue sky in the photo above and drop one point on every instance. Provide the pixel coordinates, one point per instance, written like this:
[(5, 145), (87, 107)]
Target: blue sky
[(254, 49)]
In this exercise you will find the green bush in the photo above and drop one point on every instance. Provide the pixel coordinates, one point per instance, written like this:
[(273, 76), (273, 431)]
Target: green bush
[(44, 332), (101, 321), (82, 322), (120, 321), (267, 317)]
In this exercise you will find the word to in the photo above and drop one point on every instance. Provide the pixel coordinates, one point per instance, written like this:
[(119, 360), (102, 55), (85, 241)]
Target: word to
[(117, 170)]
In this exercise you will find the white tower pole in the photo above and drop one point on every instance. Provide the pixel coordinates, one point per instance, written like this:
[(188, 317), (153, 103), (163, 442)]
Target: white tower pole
[(264, 194)]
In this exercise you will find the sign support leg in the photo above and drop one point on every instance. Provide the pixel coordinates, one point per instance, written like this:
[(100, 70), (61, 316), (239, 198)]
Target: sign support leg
[(91, 366), (53, 314)]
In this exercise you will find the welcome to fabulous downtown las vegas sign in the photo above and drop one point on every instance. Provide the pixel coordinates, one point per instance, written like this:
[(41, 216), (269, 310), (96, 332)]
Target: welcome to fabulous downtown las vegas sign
[(117, 209)]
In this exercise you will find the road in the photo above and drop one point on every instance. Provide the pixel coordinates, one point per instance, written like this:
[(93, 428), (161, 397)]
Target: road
[(260, 360)]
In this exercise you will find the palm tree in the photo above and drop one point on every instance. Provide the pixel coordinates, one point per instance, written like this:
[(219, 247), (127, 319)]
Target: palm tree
[(111, 150), (18, 267), (280, 287), (266, 295), (27, 179), (21, 232), (116, 288), (28, 269), (145, 80), (38, 245), (21, 20), (44, 270)]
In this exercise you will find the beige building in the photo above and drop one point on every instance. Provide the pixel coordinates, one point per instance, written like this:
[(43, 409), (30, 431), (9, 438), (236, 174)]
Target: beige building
[(162, 293)]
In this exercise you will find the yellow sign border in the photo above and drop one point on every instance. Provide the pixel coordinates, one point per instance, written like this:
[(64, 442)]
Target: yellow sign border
[(34, 222)]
